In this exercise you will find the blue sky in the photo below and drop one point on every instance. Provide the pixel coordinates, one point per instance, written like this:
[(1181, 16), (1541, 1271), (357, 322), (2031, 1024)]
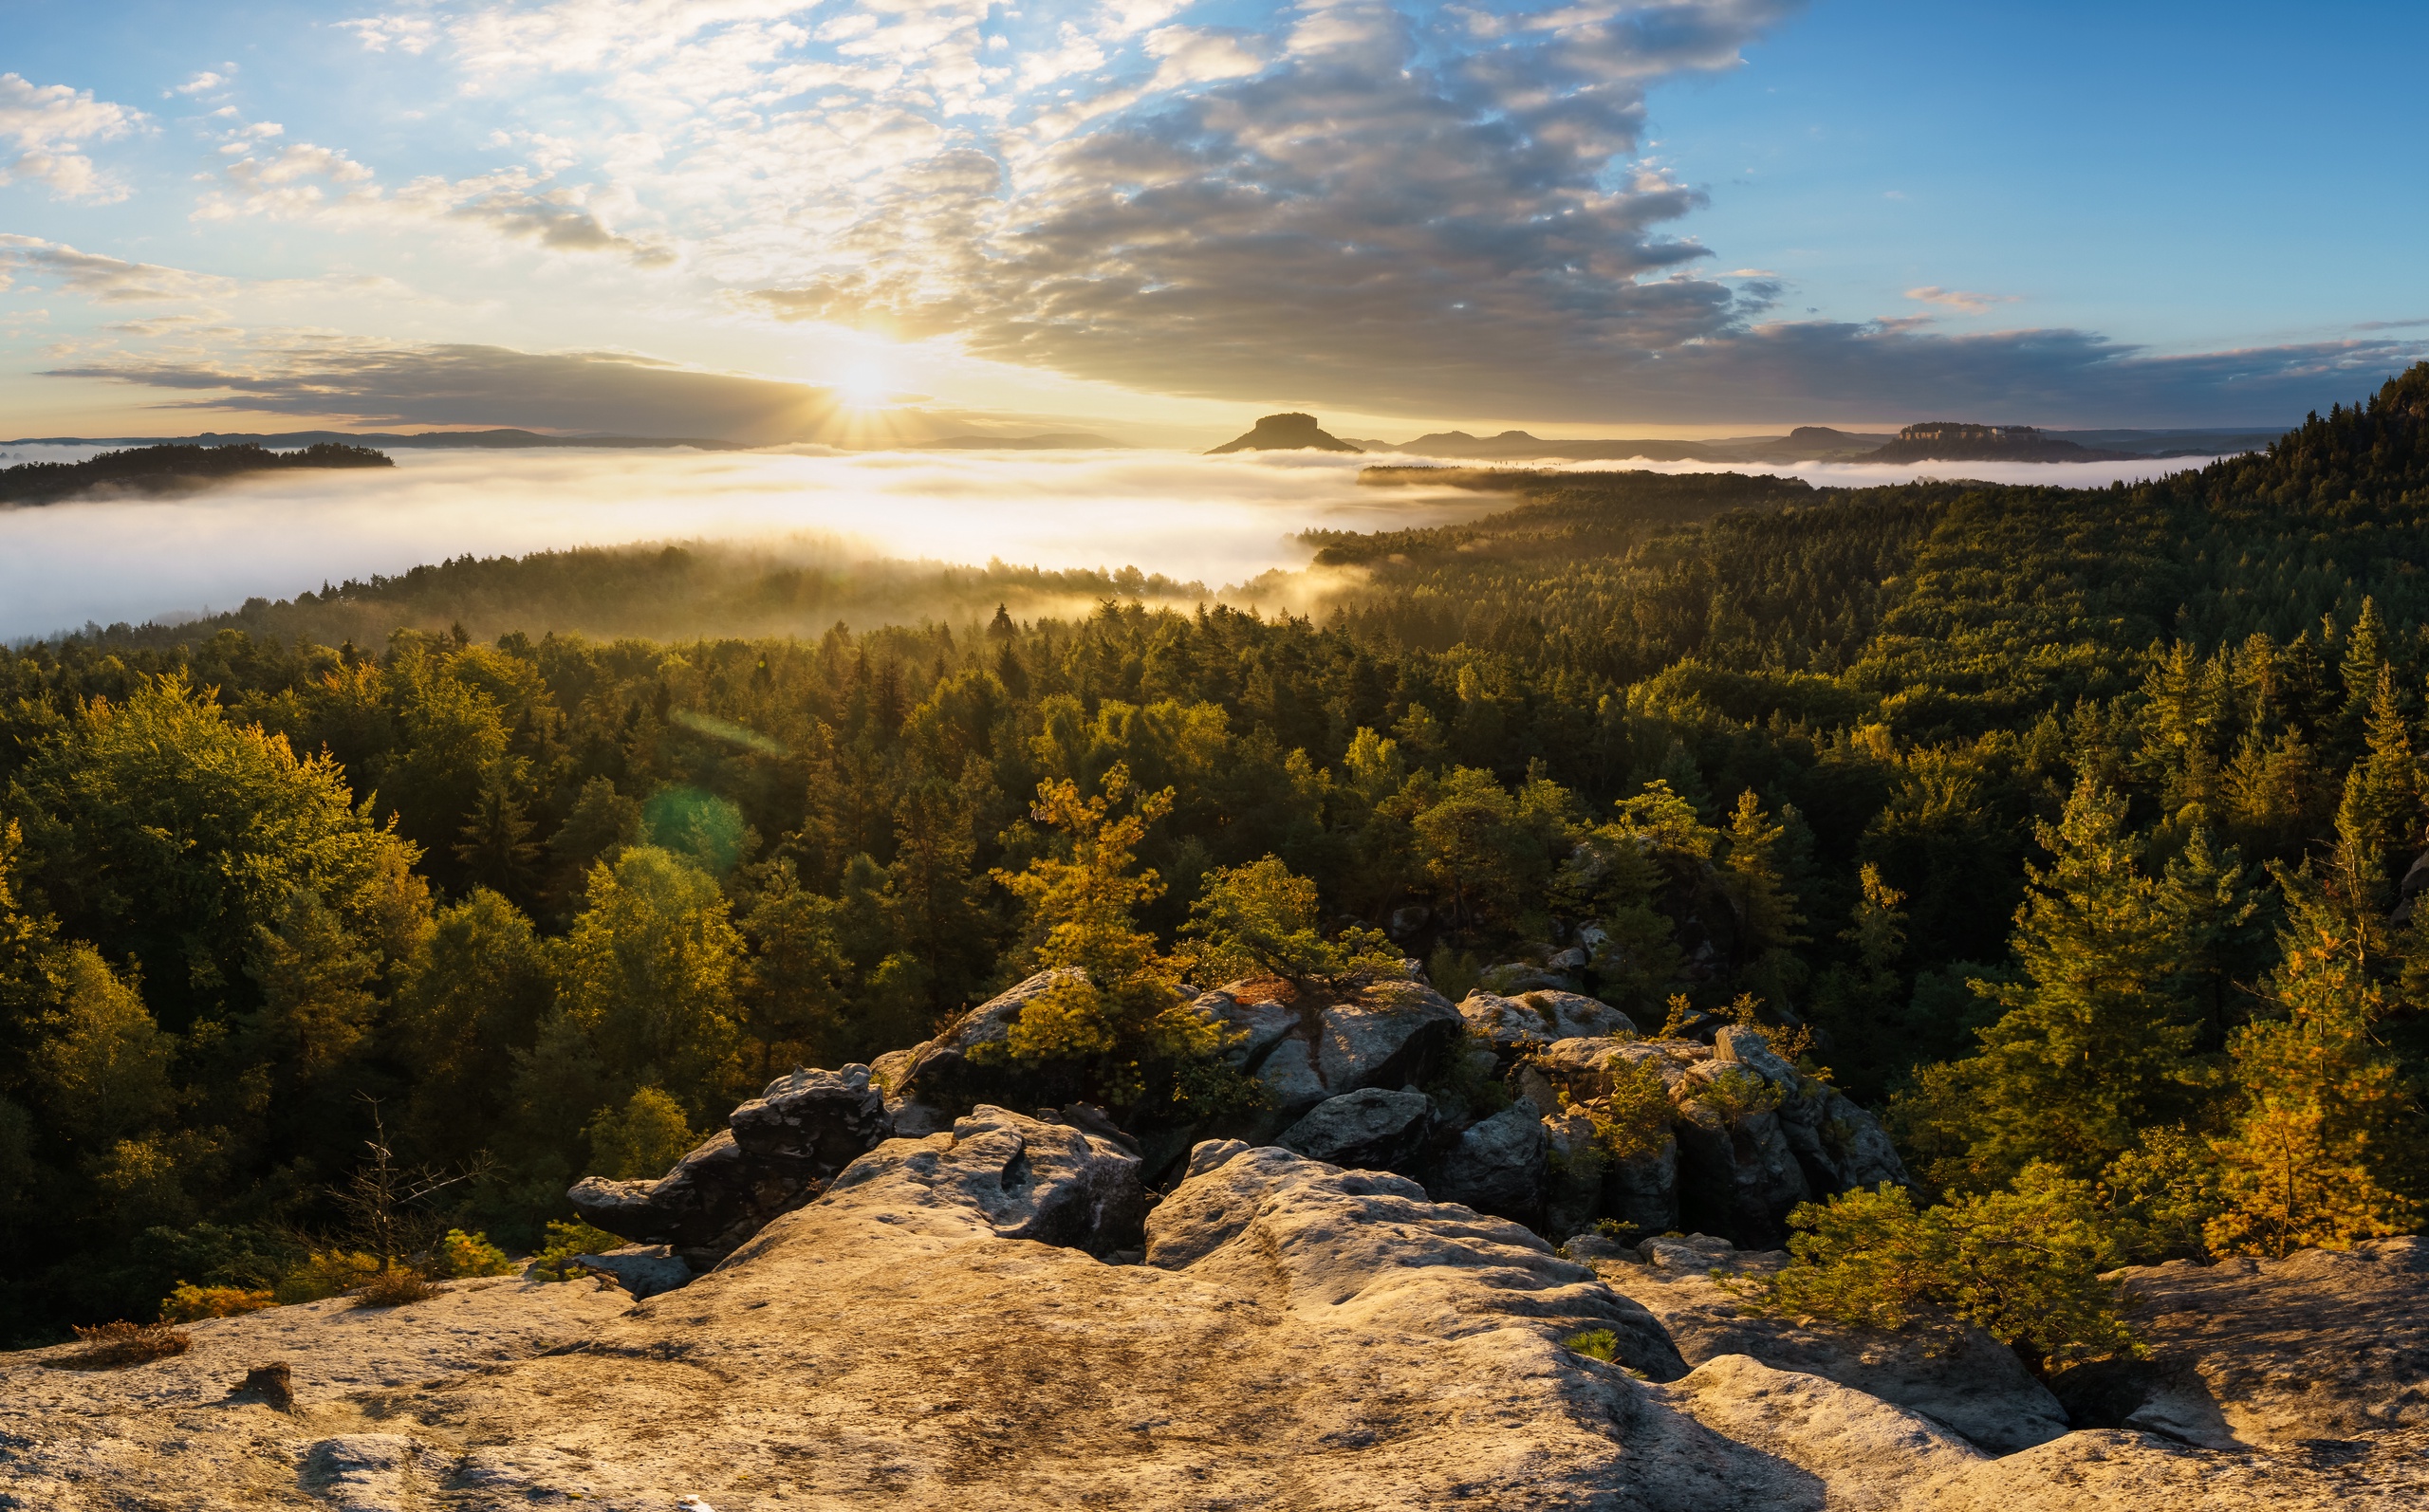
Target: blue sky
[(772, 221)]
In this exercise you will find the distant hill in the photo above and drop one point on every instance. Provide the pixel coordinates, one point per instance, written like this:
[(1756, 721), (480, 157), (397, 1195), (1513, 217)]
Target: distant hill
[(283, 440), (1052, 441), (170, 469), (1958, 441), (1284, 433)]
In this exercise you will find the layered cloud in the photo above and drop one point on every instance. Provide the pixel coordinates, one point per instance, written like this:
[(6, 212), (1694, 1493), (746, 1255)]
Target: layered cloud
[(470, 385)]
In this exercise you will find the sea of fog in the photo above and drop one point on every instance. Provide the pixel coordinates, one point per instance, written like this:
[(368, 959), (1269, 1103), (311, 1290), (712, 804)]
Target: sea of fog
[(1213, 520)]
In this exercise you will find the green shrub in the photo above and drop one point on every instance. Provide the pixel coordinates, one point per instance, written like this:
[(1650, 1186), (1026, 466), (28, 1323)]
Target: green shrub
[(1633, 1119), (566, 1241), (2022, 1265), (1735, 1095)]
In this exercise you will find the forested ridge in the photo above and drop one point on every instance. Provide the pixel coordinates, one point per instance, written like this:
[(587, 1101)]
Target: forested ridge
[(2069, 822), (157, 469)]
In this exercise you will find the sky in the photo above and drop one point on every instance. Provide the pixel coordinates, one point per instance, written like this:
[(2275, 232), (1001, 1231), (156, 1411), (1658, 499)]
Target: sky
[(864, 223)]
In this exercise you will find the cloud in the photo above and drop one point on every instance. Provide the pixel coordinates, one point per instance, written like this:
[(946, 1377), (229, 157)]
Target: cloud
[(1957, 299), (106, 280), (49, 124), (454, 386)]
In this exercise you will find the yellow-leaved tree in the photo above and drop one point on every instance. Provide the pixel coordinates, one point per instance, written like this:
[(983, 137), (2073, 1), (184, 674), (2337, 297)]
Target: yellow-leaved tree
[(1117, 1023)]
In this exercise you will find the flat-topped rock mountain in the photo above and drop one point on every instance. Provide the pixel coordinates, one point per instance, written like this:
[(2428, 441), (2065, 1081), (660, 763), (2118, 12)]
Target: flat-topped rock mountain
[(1284, 433), (1952, 441)]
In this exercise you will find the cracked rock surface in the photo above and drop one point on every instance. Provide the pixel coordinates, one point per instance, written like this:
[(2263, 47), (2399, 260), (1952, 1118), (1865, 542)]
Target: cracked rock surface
[(933, 1332)]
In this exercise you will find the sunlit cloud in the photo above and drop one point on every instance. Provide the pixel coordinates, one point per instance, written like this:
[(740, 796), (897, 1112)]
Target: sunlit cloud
[(1957, 299)]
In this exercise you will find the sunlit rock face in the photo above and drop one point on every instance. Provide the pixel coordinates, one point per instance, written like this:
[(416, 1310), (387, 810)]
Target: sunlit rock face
[(935, 1332)]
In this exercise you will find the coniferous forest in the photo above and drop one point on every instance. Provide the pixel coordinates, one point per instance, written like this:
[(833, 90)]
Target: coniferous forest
[(2065, 828)]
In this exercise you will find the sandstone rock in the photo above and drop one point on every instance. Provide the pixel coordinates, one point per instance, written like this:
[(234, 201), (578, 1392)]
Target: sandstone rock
[(1389, 1034), (1641, 1192), (1260, 1023), (1960, 1378), (1736, 1174), (1837, 1144), (1367, 1250), (934, 1073), (2322, 1345), (644, 1270), (1027, 1179), (1496, 1165), (179, 1432), (1540, 1018), (1367, 1130), (1871, 1455), (779, 1151), (1311, 1338), (826, 1119)]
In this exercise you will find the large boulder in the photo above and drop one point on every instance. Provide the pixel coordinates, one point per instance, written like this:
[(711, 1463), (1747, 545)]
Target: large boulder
[(922, 1083), (1496, 1165), (1963, 1380), (1371, 1129), (1369, 1250), (1387, 1034), (777, 1151), (1837, 1144), (1736, 1174), (1540, 1018), (1053, 1182)]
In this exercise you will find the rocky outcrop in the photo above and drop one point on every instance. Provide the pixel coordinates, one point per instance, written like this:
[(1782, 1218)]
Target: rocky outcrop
[(1540, 1018), (1496, 1165), (777, 1151), (1963, 1381), (2322, 1345), (1024, 1178), (1369, 1130), (1299, 1335)]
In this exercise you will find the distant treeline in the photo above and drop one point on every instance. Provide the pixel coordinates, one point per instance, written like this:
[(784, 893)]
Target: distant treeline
[(153, 468)]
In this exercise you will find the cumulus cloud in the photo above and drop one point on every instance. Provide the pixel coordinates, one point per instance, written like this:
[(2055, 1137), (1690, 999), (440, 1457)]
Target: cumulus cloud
[(453, 385), (49, 124)]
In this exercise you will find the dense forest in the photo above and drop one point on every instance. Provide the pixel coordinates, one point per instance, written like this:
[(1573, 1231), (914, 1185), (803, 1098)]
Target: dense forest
[(2069, 825)]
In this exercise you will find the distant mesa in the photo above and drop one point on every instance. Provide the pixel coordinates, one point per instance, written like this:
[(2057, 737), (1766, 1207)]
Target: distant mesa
[(1959, 441), (1052, 441), (1286, 433)]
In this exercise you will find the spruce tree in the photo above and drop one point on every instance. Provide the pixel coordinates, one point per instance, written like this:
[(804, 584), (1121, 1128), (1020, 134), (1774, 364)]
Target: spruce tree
[(2097, 1044), (2317, 1152)]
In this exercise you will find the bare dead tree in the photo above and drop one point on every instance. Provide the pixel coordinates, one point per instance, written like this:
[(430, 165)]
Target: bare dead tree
[(386, 1204)]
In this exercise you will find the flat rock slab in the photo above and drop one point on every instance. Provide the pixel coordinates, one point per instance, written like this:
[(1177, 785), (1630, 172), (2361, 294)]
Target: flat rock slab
[(2321, 1346), (1965, 1381), (166, 1434)]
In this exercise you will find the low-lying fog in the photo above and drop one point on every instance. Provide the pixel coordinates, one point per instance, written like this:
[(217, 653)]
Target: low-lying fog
[(1215, 519)]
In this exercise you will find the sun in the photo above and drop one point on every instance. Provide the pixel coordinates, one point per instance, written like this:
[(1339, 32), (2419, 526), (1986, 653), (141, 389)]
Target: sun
[(863, 386)]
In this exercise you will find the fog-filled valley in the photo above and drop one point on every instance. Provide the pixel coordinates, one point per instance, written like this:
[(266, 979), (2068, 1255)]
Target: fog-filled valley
[(1213, 522)]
